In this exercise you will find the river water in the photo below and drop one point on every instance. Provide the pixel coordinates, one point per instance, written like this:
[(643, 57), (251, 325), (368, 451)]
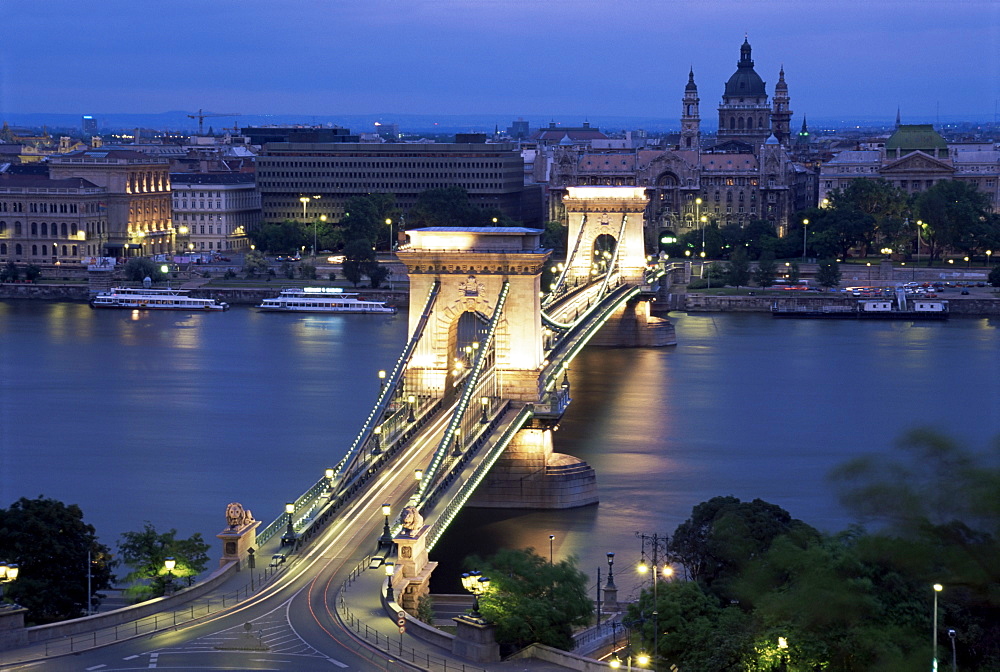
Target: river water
[(167, 417)]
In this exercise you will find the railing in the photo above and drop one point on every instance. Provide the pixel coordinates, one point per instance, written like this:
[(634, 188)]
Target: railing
[(471, 386), (195, 610), (386, 644)]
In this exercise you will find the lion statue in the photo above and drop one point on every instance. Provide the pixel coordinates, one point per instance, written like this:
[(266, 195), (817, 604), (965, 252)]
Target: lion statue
[(411, 520), (237, 516)]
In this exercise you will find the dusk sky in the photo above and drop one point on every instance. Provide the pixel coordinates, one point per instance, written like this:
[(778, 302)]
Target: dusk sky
[(567, 60)]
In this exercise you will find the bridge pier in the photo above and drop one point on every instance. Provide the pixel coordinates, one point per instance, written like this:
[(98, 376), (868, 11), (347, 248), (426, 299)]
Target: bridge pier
[(632, 326), (529, 475), (412, 580)]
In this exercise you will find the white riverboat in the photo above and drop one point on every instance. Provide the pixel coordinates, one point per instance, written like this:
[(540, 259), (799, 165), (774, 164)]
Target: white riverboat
[(139, 298), (321, 300)]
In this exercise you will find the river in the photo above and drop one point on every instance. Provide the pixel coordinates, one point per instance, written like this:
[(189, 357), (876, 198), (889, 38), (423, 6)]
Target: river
[(167, 417)]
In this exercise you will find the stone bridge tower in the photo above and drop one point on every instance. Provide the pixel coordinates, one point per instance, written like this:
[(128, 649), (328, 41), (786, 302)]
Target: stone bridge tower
[(600, 212)]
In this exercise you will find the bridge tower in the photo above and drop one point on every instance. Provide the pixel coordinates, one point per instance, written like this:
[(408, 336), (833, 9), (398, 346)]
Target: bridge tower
[(603, 220), (471, 264)]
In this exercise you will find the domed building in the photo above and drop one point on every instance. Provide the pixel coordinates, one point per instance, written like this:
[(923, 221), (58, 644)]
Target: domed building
[(745, 115)]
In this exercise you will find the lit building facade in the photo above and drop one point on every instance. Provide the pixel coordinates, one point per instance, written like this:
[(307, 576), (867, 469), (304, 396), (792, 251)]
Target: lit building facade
[(137, 197), (51, 221), (212, 212)]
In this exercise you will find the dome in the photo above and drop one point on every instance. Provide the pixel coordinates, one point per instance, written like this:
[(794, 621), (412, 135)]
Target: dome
[(566, 141), (745, 81), (771, 140)]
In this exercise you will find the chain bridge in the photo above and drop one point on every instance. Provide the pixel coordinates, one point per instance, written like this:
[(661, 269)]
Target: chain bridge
[(472, 400)]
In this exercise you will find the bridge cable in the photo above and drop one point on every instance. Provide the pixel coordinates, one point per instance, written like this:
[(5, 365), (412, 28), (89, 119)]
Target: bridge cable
[(550, 297), (472, 382)]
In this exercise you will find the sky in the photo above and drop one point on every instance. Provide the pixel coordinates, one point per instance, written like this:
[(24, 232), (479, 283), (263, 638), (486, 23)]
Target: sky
[(566, 60)]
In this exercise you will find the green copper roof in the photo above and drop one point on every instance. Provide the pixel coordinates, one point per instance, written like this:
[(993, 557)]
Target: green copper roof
[(913, 137)]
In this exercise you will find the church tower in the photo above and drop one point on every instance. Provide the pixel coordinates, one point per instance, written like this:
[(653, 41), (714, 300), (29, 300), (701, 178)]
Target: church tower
[(781, 115), (690, 118), (744, 114)]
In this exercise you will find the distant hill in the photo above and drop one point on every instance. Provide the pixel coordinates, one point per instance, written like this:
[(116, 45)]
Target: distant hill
[(179, 121)]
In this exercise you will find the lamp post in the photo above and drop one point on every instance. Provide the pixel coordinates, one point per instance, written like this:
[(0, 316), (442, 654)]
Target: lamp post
[(388, 222), (410, 401), (552, 538), (805, 223), (322, 218), (169, 564), (381, 379), (390, 570), (934, 661), (989, 253), (8, 573), (386, 538), (477, 584), (641, 659), (289, 536)]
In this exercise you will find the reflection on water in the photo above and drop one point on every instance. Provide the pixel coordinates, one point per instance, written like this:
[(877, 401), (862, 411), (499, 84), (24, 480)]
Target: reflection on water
[(168, 417)]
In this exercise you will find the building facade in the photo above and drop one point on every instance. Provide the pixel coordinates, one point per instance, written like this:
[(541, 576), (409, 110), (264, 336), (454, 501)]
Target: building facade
[(51, 221), (915, 158), (747, 174), (137, 197), (212, 212), (492, 174)]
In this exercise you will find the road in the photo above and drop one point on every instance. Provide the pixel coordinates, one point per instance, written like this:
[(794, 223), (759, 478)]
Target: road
[(291, 624)]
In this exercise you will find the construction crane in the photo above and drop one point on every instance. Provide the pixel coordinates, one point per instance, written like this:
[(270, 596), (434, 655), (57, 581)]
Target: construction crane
[(202, 115)]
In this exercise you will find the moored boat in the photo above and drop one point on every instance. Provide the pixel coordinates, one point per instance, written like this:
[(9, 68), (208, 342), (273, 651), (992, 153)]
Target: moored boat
[(322, 300), (870, 309), (140, 298)]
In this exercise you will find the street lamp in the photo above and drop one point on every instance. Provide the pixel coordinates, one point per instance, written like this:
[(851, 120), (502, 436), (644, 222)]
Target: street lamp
[(169, 564), (805, 223), (410, 401), (477, 584), (7, 574), (390, 570), (937, 589), (289, 536), (386, 538), (552, 538), (381, 378), (485, 419), (388, 222), (641, 660), (322, 218), (989, 253)]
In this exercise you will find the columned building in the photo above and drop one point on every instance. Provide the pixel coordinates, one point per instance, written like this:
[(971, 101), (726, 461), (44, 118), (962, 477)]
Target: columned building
[(915, 158), (492, 174), (137, 198), (214, 211), (49, 221)]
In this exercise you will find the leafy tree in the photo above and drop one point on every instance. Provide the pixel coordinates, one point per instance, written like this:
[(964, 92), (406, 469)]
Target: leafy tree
[(794, 273), (255, 264), (994, 277), (49, 541), (357, 255), (531, 600), (828, 273), (882, 204), (425, 609), (307, 271), (139, 268), (9, 272), (555, 235), (755, 238), (444, 206), (32, 272), (287, 270), (955, 214), (145, 551), (281, 237), (376, 272), (738, 269), (365, 216), (767, 269)]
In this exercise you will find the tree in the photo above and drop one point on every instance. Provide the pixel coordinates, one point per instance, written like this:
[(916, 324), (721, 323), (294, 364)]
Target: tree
[(793, 273), (955, 214), (764, 274), (365, 217), (555, 235), (145, 552), (444, 206), (882, 204), (307, 271), (32, 272), (357, 255), (531, 600), (255, 264), (738, 269), (828, 273), (995, 276), (280, 237), (9, 272), (138, 269), (49, 541)]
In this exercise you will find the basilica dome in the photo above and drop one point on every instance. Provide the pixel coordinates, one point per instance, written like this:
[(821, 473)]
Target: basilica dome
[(745, 81)]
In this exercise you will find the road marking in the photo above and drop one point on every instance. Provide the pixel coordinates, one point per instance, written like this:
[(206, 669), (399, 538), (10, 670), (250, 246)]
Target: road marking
[(95, 667), (131, 657), (152, 660), (337, 662)]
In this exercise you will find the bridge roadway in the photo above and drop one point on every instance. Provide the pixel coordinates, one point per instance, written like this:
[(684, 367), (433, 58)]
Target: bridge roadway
[(295, 613)]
